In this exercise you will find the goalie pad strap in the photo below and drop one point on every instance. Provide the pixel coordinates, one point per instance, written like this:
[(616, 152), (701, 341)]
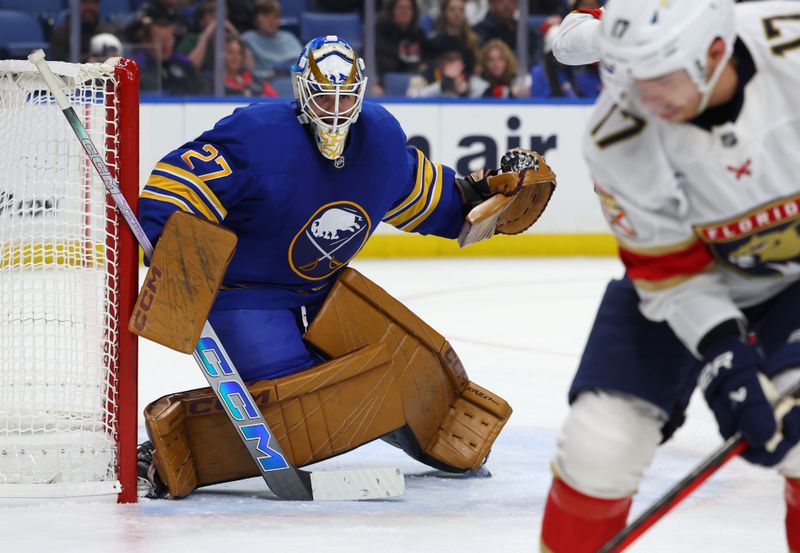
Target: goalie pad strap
[(437, 397), (314, 414), (185, 273)]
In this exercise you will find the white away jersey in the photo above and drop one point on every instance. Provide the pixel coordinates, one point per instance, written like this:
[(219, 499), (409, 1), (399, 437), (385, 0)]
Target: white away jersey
[(708, 221)]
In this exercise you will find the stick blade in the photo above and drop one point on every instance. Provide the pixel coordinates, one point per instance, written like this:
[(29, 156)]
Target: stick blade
[(349, 485)]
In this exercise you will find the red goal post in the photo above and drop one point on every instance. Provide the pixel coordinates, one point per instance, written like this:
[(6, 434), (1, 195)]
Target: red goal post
[(68, 280)]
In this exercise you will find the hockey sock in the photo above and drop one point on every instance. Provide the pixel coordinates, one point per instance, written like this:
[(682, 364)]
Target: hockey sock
[(793, 514), (577, 523)]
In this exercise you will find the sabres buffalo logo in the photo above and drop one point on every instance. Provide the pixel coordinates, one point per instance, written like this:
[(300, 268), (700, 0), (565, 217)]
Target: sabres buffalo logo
[(329, 240)]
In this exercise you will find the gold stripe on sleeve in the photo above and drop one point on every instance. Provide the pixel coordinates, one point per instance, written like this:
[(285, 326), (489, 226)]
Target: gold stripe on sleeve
[(415, 193), (194, 179), (437, 194), (185, 192), (426, 171)]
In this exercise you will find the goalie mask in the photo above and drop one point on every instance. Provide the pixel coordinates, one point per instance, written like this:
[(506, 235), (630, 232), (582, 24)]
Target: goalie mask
[(329, 83)]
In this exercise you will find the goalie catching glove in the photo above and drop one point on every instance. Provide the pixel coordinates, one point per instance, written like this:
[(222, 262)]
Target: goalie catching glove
[(506, 202)]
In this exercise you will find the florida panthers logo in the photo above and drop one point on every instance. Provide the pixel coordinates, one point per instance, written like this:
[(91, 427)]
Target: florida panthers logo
[(765, 242), (777, 250), (329, 240)]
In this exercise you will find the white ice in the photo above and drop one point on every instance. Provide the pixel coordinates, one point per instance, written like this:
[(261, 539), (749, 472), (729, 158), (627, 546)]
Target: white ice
[(519, 326)]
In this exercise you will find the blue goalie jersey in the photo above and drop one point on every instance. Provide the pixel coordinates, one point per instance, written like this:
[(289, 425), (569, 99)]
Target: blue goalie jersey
[(299, 217)]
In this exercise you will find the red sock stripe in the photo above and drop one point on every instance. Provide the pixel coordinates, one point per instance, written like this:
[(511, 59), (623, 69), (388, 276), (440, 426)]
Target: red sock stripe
[(578, 523), (793, 514)]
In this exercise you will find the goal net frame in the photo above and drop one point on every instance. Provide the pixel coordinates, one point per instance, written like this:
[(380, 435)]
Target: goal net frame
[(36, 428)]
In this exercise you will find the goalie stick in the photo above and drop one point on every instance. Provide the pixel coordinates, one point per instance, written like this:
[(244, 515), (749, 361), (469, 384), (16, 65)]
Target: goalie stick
[(285, 480), (732, 447)]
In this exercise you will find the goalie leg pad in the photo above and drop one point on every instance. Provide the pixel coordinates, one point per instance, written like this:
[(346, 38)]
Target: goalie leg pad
[(314, 414), (607, 442), (454, 422), (185, 273)]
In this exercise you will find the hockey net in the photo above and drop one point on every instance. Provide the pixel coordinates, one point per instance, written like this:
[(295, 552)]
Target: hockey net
[(68, 275)]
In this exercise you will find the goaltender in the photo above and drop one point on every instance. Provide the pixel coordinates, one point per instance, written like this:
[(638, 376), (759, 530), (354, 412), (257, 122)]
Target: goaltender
[(332, 360)]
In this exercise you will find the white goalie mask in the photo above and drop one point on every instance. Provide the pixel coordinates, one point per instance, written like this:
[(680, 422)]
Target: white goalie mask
[(329, 83), (647, 39)]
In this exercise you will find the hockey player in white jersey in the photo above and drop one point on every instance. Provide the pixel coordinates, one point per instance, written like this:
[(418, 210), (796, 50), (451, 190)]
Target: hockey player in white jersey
[(694, 147)]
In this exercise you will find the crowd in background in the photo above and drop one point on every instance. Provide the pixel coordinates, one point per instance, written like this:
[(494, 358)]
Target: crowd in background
[(423, 48)]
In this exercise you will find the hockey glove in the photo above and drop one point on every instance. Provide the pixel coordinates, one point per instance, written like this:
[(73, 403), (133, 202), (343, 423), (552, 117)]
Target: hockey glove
[(739, 395), (506, 202)]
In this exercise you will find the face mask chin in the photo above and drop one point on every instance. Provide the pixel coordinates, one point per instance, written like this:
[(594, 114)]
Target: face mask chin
[(330, 143)]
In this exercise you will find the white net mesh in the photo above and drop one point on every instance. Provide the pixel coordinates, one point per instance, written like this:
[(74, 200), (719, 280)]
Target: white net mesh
[(58, 283)]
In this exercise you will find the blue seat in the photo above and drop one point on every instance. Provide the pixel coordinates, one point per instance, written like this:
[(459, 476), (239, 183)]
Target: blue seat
[(426, 23), (345, 25), (19, 34), (113, 10), (35, 7), (290, 15), (396, 84), (282, 85), (290, 11)]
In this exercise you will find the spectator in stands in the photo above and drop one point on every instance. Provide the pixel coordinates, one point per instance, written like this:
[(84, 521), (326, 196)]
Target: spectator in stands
[(162, 10), (400, 43), (499, 23), (452, 22), (238, 80), (241, 14), (476, 11), (584, 4), (102, 47), (161, 68), (547, 7), (90, 26), (551, 79), (339, 6), (198, 44), (271, 47), (430, 8), (452, 77), (157, 10), (499, 70)]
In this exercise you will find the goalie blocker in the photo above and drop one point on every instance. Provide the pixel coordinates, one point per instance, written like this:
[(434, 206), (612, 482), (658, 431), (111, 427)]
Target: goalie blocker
[(390, 375)]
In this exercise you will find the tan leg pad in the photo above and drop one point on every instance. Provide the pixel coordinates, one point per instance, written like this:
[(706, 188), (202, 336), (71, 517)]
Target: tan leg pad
[(434, 387), (188, 265), (315, 414), (472, 424)]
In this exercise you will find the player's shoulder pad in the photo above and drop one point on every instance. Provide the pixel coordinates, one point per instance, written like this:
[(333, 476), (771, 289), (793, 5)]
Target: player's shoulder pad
[(381, 123), (255, 129), (254, 116), (626, 154), (769, 30)]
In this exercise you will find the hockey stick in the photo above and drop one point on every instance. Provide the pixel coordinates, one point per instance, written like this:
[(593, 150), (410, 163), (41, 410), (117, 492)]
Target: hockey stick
[(732, 447), (285, 480)]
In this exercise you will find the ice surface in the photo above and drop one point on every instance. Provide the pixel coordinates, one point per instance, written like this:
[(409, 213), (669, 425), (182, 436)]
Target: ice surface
[(518, 326)]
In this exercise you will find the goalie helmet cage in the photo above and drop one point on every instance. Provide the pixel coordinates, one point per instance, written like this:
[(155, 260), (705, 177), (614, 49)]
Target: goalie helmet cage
[(68, 281)]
